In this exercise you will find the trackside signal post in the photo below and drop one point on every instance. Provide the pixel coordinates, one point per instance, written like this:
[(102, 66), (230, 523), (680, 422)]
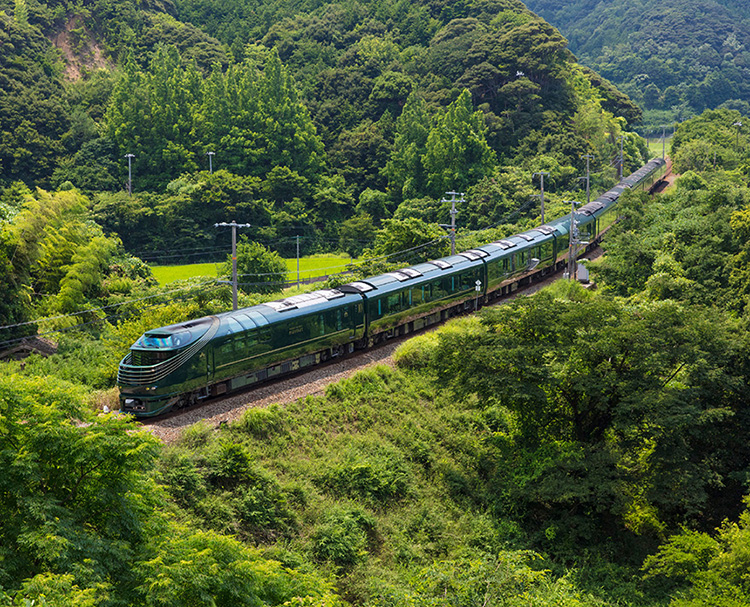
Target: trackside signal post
[(573, 241), (234, 225)]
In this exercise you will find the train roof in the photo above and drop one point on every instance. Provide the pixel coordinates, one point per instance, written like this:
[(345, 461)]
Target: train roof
[(245, 319), (393, 281)]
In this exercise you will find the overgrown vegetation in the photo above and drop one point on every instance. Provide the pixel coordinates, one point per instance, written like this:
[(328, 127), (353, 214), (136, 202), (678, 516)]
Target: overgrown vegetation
[(573, 448)]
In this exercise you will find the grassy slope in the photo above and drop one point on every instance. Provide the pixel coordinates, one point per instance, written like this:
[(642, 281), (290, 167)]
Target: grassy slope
[(382, 483)]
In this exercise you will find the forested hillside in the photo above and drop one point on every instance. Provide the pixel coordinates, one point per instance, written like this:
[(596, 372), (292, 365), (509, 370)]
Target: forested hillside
[(674, 58), (576, 448), (328, 122)]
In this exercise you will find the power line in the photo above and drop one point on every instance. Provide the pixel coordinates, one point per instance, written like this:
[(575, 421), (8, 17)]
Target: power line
[(102, 308)]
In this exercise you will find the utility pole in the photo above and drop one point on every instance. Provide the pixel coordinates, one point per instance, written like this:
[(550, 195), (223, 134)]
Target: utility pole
[(541, 196), (622, 137), (588, 158), (663, 142), (210, 161), (298, 261), (130, 173), (573, 241), (234, 225), (452, 225)]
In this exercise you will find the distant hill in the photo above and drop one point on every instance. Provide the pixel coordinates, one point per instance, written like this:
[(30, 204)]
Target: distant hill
[(675, 58), (107, 87)]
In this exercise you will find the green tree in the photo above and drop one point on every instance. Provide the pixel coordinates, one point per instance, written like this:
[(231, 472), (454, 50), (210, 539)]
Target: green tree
[(209, 569), (456, 152), (259, 270), (410, 239), (701, 569), (405, 169), (618, 410), (74, 497), (356, 234)]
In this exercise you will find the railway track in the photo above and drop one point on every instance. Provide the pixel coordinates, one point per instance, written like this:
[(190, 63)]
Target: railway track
[(219, 411)]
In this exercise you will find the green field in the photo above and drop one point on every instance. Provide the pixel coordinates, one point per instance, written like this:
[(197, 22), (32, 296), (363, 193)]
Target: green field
[(655, 147), (315, 265)]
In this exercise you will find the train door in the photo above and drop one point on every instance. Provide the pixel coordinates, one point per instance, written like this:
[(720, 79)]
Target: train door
[(209, 355)]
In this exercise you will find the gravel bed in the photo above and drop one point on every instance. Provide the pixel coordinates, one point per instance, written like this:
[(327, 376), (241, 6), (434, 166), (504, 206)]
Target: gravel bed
[(291, 389)]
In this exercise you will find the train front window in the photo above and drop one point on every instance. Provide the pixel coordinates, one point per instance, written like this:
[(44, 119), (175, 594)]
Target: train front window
[(155, 341)]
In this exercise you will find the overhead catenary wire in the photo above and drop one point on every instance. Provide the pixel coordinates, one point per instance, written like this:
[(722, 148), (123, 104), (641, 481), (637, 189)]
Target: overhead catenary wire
[(77, 326), (102, 308), (215, 284)]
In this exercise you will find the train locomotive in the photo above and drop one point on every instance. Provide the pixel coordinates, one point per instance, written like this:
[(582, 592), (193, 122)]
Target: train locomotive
[(177, 366)]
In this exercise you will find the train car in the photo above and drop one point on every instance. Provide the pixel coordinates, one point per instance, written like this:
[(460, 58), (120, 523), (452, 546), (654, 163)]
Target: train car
[(176, 366), (511, 262), (411, 298)]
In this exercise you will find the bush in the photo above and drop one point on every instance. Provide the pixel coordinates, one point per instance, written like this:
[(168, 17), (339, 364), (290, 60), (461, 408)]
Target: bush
[(342, 539), (260, 422), (380, 475), (417, 353)]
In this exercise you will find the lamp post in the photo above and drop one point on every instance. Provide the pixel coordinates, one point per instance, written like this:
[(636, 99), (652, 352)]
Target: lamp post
[(541, 182), (234, 225), (738, 124), (452, 225), (130, 173), (210, 161)]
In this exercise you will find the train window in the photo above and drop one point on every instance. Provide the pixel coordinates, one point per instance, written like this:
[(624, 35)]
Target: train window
[(232, 325), (546, 250), (181, 339), (226, 349), (440, 288), (380, 307), (394, 303)]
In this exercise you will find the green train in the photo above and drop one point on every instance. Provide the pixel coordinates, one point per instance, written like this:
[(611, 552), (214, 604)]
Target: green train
[(179, 365)]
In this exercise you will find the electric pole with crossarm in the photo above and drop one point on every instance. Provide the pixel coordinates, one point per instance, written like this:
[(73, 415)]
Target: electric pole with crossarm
[(234, 225)]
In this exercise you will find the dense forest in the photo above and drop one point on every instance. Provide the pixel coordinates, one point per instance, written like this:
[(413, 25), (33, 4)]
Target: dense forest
[(574, 448), (675, 58)]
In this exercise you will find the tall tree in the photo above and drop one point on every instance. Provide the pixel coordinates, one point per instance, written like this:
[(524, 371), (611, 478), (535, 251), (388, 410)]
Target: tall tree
[(456, 152)]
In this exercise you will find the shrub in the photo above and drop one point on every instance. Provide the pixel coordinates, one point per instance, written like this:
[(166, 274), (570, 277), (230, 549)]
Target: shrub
[(228, 465), (417, 353), (375, 473), (342, 539), (260, 422)]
